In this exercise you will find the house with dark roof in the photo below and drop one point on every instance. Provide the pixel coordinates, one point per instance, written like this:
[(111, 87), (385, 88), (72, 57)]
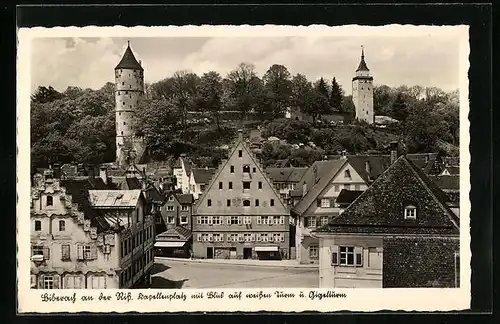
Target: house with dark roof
[(174, 242), (85, 236), (176, 211), (397, 233), (285, 179), (199, 180), (450, 184), (240, 214)]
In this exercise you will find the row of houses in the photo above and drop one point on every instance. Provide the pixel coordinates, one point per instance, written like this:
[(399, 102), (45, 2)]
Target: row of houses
[(103, 229)]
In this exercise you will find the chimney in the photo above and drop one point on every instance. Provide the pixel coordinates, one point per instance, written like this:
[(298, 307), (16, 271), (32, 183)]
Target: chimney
[(343, 154), (394, 151), (140, 62), (240, 134), (304, 189), (103, 174)]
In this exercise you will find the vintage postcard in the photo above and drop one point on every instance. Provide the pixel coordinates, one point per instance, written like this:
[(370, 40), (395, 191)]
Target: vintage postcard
[(243, 168)]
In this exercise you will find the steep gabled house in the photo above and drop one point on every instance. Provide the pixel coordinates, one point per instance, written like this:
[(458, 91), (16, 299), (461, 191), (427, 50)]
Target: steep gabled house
[(240, 215), (321, 186), (398, 233), (199, 180), (177, 210), (285, 179), (182, 172), (82, 242)]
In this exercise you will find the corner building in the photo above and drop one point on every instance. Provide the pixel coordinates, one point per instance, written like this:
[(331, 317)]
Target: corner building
[(240, 215)]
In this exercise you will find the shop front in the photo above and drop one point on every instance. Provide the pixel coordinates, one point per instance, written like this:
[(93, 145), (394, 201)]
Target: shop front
[(271, 252)]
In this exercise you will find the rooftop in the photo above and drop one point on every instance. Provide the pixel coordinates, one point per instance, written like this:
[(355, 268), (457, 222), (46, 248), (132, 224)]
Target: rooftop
[(129, 61), (114, 198)]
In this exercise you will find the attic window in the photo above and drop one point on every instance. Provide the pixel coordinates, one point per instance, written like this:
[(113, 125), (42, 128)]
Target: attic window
[(410, 212), (232, 168), (347, 174), (254, 169), (240, 153), (246, 169)]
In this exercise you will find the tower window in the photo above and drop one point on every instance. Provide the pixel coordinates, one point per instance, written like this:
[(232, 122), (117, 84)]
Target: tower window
[(122, 132), (123, 103), (130, 96), (130, 86), (126, 92), (124, 123), (118, 92), (119, 113)]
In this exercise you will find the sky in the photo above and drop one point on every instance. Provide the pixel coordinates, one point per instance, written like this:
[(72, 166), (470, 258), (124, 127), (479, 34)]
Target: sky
[(429, 61)]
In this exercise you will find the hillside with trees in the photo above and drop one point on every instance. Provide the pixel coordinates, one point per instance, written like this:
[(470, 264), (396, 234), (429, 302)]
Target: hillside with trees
[(199, 115)]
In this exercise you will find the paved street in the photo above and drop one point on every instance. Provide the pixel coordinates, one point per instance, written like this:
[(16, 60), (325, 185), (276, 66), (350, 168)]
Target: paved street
[(181, 274)]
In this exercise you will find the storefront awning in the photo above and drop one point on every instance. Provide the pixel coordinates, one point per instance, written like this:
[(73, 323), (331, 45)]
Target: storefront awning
[(169, 244), (266, 248)]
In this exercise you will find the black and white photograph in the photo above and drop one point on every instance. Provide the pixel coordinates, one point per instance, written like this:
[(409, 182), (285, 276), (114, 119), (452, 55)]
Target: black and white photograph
[(325, 159)]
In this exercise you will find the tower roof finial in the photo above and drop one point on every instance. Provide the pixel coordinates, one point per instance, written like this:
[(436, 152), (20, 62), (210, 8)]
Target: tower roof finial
[(128, 43), (362, 51), (362, 64)]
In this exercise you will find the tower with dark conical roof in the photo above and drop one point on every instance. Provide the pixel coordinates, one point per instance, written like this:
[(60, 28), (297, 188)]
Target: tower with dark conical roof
[(129, 90), (362, 91)]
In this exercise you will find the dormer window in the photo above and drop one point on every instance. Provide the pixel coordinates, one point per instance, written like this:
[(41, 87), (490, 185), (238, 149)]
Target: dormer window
[(347, 174), (410, 212), (50, 201)]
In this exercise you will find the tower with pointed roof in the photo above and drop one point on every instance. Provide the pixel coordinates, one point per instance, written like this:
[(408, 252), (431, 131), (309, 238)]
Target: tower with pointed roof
[(129, 90), (362, 92)]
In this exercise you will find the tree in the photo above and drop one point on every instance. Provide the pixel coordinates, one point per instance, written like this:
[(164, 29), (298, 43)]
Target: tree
[(336, 96), (243, 87), (349, 109), (400, 108), (318, 105), (184, 88), (301, 90), (44, 95), (321, 87), (383, 99), (210, 95), (278, 89)]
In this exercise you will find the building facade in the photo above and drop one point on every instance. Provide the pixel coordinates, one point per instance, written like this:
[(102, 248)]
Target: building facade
[(399, 233), (362, 92), (285, 179), (240, 215), (129, 90), (177, 210), (182, 173), (78, 243)]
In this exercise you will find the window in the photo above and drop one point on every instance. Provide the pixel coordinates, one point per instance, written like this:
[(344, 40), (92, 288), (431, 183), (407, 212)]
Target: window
[(38, 225), (232, 169), (246, 169), (347, 186), (254, 169), (325, 203), (171, 198), (209, 202), (233, 237), (65, 252), (122, 132), (276, 220), (216, 220), (184, 220), (272, 202), (37, 250), (323, 220), (62, 226), (184, 207), (230, 185), (72, 282), (246, 203), (247, 220), (310, 221), (170, 219), (246, 184), (204, 220), (337, 188), (50, 201), (217, 237), (240, 153), (48, 282), (247, 237), (356, 187), (260, 184), (228, 203), (234, 220), (347, 174), (313, 251), (220, 184), (410, 212), (349, 256), (256, 202), (98, 282)]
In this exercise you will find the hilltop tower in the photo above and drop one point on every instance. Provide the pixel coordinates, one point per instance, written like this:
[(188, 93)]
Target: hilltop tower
[(362, 92), (129, 90)]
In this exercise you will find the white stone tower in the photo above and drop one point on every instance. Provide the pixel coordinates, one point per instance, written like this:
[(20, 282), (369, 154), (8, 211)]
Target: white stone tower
[(362, 91), (129, 90)]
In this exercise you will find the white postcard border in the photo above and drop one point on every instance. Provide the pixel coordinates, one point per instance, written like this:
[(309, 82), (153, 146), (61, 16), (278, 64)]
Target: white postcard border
[(426, 299)]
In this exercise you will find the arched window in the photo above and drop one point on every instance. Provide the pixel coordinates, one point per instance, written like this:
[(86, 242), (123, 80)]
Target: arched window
[(246, 203), (410, 212), (62, 226), (246, 169), (50, 201)]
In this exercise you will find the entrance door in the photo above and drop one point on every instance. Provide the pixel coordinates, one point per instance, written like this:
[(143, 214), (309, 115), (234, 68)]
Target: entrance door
[(210, 252), (232, 253), (247, 253)]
